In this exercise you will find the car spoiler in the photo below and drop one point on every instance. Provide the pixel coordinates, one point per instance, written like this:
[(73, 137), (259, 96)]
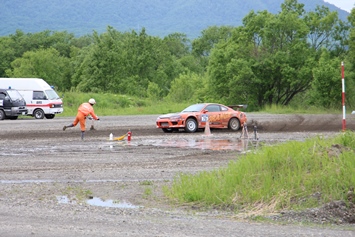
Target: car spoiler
[(235, 107)]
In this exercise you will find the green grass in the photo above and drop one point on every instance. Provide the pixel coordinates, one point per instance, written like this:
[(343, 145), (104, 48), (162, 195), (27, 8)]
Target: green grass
[(77, 192), (279, 177), (298, 109), (111, 104), (114, 104)]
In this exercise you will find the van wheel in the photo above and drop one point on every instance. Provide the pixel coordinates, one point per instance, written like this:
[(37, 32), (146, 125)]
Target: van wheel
[(49, 116), (38, 114), (2, 115)]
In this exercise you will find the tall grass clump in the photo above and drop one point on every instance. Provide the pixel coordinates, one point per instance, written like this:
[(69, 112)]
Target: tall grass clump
[(293, 175)]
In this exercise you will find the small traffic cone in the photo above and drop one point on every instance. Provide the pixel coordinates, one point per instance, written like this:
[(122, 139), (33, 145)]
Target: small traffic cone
[(207, 129)]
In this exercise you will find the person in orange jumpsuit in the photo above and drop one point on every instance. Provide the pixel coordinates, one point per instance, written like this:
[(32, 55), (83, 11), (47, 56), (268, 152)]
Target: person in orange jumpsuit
[(84, 110)]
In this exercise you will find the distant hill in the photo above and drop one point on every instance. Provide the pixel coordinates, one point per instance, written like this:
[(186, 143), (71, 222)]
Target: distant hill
[(159, 17)]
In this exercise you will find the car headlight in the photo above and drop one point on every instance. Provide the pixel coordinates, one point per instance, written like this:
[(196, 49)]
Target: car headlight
[(175, 117)]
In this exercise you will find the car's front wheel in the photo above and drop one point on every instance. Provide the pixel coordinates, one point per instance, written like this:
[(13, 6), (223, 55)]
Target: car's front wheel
[(38, 114), (191, 125), (2, 115), (234, 124)]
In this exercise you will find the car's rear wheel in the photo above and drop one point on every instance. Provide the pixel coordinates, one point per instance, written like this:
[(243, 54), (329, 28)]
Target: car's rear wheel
[(234, 124), (191, 125)]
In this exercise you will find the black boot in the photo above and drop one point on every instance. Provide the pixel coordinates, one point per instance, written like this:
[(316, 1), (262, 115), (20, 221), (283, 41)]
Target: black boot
[(68, 126), (82, 135)]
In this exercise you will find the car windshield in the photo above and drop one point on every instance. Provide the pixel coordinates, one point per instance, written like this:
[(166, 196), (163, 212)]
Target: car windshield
[(14, 95), (52, 95), (194, 108)]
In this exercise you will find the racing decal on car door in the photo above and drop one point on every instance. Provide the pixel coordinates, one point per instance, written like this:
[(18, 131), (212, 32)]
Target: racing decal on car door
[(217, 118)]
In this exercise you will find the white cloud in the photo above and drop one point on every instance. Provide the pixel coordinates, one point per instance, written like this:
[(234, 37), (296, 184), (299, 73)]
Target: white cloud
[(346, 5)]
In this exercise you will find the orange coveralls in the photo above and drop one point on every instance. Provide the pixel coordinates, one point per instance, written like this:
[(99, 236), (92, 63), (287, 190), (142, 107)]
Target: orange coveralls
[(83, 111)]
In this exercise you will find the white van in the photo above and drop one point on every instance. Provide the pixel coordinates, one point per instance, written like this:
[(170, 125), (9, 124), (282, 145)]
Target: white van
[(41, 99)]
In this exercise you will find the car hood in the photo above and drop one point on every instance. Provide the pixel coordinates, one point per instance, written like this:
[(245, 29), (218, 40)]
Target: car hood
[(168, 115)]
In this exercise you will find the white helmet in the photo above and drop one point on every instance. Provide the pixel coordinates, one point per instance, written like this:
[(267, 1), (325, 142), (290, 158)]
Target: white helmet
[(92, 101)]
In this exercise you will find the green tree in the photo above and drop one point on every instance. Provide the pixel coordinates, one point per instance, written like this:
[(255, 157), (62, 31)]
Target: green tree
[(186, 88), (42, 63), (326, 30), (326, 87), (7, 55), (350, 62), (272, 56), (203, 45), (127, 62), (154, 92)]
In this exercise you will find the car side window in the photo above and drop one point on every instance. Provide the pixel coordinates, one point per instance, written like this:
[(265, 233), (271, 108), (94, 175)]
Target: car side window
[(2, 96), (224, 109), (39, 95), (213, 108)]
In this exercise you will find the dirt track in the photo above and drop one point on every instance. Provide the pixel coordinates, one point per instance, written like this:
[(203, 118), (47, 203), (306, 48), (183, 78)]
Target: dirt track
[(42, 165)]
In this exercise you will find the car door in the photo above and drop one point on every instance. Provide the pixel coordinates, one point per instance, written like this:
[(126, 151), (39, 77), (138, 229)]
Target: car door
[(213, 113), (225, 115)]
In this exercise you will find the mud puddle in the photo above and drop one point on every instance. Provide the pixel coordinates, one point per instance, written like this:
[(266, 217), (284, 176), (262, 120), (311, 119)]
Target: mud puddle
[(241, 145), (202, 143), (96, 201)]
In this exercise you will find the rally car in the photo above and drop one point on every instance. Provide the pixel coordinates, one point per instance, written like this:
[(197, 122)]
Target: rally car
[(196, 116)]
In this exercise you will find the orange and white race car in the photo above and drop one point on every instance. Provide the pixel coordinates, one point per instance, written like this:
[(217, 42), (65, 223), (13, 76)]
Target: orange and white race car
[(196, 116)]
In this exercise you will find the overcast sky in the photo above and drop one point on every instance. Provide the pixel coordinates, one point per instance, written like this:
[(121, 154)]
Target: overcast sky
[(346, 5)]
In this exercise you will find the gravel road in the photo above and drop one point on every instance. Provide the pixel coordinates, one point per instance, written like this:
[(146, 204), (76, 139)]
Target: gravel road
[(54, 184)]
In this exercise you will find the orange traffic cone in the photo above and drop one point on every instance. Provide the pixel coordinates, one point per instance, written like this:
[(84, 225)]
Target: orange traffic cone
[(207, 129)]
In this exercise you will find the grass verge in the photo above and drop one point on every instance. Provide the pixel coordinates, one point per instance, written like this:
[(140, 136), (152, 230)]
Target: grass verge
[(294, 175), (115, 104), (112, 104)]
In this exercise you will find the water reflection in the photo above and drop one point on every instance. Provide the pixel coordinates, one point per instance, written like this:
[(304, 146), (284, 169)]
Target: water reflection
[(109, 203), (240, 145), (96, 201)]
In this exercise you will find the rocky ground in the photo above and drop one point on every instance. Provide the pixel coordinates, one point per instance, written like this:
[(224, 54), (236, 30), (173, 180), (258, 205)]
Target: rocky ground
[(54, 184)]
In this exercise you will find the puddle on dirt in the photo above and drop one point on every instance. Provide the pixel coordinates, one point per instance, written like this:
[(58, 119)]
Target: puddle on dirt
[(95, 201), (31, 181), (210, 144), (241, 145), (109, 203)]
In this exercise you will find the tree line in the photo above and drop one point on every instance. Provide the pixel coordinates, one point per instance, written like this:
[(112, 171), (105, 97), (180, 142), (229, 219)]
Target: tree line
[(286, 58)]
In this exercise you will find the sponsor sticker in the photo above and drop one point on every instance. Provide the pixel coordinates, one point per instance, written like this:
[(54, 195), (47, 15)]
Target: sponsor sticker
[(204, 118)]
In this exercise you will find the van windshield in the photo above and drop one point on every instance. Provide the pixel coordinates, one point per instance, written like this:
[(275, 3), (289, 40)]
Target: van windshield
[(14, 95), (52, 95)]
